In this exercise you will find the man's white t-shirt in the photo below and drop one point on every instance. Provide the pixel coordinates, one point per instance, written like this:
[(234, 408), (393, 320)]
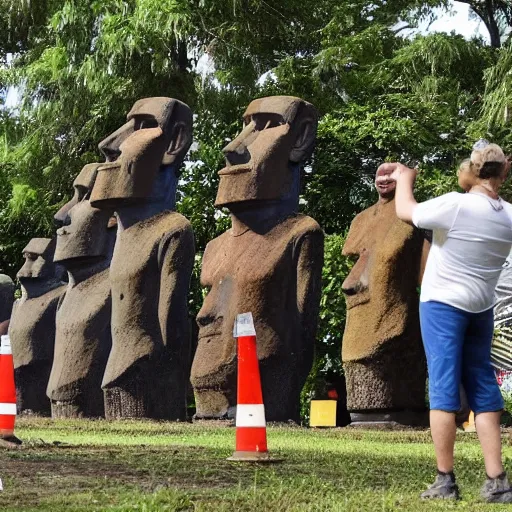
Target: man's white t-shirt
[(472, 237)]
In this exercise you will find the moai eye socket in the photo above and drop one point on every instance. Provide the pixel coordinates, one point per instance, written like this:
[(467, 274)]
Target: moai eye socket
[(32, 256), (143, 123), (266, 121), (81, 192)]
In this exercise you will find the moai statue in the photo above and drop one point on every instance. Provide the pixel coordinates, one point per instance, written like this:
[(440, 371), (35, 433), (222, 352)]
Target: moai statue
[(83, 341), (382, 352), (147, 369), (6, 302), (269, 263), (32, 325)]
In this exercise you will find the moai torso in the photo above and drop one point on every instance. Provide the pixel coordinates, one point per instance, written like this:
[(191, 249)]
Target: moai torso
[(6, 302), (149, 276), (32, 328), (389, 260), (382, 352), (271, 275), (82, 345)]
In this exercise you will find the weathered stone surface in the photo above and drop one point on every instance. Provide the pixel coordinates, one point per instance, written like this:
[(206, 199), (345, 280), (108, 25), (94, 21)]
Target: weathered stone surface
[(147, 369), (83, 338), (382, 352), (6, 302), (269, 263), (32, 325)]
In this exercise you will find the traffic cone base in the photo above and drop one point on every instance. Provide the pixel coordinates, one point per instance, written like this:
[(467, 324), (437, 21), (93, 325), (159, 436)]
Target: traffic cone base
[(11, 443), (469, 425), (241, 456)]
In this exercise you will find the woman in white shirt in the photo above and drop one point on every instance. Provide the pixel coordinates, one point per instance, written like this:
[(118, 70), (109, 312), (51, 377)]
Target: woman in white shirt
[(472, 237)]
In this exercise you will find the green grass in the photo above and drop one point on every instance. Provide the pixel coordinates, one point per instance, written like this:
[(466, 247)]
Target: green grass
[(148, 466)]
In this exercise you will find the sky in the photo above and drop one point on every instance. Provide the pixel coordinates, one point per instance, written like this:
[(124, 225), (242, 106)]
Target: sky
[(458, 22)]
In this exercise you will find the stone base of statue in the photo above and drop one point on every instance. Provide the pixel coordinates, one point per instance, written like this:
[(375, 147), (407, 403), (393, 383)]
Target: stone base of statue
[(87, 403), (31, 381), (214, 405), (389, 419), (389, 386), (145, 391)]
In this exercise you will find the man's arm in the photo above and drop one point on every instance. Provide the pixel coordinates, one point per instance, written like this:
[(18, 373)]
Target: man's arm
[(404, 196)]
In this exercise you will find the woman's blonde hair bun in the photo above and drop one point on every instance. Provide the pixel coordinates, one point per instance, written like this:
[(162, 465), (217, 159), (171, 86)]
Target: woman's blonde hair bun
[(488, 161)]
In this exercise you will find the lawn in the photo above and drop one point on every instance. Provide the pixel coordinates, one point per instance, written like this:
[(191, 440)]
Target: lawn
[(149, 466)]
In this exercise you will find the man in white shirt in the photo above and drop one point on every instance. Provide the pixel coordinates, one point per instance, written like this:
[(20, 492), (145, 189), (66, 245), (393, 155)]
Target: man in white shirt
[(472, 237)]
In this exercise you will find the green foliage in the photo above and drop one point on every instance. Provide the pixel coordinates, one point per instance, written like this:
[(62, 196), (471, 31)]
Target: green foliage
[(498, 97), (332, 315), (507, 398), (327, 362)]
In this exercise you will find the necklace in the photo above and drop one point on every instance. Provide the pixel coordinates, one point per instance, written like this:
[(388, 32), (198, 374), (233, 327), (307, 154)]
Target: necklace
[(494, 202), (489, 190)]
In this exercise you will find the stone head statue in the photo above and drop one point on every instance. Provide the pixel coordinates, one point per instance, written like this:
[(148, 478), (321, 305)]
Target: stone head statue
[(375, 275), (383, 358), (263, 161), (32, 324), (144, 155), (38, 266), (6, 298), (268, 263), (83, 234)]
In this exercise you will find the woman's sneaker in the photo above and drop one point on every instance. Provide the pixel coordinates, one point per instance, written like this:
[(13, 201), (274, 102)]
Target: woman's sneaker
[(497, 490), (444, 488)]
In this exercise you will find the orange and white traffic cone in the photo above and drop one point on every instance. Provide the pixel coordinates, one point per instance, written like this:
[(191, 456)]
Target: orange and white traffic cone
[(7, 396), (251, 427)]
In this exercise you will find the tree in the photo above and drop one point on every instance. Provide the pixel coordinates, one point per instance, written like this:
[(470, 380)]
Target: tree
[(496, 16)]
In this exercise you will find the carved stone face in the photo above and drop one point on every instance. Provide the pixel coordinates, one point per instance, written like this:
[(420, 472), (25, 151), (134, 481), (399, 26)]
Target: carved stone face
[(6, 297), (278, 130), (83, 232), (380, 289), (158, 132), (38, 260)]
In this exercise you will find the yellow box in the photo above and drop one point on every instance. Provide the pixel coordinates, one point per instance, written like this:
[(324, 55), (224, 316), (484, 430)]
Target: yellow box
[(322, 413)]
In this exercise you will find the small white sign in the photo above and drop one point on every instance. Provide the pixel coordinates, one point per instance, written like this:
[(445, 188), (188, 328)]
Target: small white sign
[(1, 485), (5, 345), (244, 325)]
